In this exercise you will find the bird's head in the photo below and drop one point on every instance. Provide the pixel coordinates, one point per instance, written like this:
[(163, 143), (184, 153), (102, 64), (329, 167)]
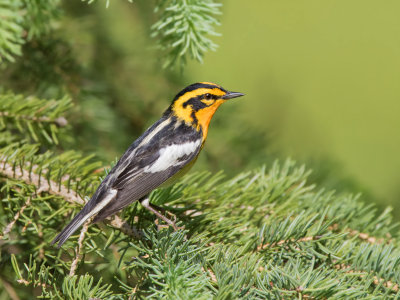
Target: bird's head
[(197, 103)]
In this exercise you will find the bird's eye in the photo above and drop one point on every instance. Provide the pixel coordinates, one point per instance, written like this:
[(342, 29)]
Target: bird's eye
[(208, 96)]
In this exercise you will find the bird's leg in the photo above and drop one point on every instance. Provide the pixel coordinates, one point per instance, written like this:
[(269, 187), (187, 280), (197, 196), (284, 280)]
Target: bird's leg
[(153, 208), (163, 211)]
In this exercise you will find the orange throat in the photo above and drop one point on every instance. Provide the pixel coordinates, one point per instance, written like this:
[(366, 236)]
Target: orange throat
[(204, 117)]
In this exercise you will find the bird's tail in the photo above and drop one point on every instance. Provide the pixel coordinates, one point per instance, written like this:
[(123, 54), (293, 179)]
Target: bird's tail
[(76, 222), (93, 207)]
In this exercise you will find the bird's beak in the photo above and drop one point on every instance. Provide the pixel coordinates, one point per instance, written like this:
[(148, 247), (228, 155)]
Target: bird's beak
[(230, 95)]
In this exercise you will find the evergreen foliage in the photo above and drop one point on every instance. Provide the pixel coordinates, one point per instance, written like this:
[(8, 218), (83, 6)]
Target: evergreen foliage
[(184, 26), (36, 119), (22, 20), (263, 234), (11, 30)]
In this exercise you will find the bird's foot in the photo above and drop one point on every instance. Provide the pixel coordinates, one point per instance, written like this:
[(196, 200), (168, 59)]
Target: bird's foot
[(156, 210), (163, 211), (169, 223)]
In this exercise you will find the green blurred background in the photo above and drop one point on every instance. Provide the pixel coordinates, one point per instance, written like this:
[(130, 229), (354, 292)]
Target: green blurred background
[(321, 80), (322, 77)]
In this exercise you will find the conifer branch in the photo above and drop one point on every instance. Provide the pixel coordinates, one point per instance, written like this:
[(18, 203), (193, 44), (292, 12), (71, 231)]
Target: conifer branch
[(362, 235), (376, 280), (23, 20), (366, 237), (10, 225), (282, 242), (39, 16), (10, 31), (60, 121), (38, 119), (259, 235), (213, 278), (41, 184), (79, 248), (183, 29), (10, 290), (124, 226), (57, 189)]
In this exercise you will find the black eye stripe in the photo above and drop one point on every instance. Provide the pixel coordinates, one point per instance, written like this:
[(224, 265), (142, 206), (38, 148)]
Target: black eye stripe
[(197, 103)]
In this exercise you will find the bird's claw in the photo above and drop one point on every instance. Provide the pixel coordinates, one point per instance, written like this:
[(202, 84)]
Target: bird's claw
[(172, 224)]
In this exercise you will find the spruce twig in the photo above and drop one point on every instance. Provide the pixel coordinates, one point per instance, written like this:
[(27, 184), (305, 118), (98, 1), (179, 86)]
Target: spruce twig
[(362, 235), (10, 225), (376, 280), (49, 186), (54, 188), (183, 29), (36, 118), (281, 242), (79, 248), (60, 121), (10, 290)]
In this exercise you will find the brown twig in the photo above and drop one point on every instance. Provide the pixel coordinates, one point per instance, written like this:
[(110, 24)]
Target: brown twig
[(211, 274), (10, 225), (361, 235), (366, 237), (40, 234), (388, 284), (123, 226), (23, 281), (281, 242), (10, 290), (43, 185), (60, 121), (79, 248), (60, 190)]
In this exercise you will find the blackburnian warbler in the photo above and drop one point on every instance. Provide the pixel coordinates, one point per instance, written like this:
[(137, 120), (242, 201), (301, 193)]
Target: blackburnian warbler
[(164, 152)]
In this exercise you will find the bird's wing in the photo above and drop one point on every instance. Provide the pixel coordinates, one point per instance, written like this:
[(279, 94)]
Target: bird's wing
[(163, 150), (148, 169)]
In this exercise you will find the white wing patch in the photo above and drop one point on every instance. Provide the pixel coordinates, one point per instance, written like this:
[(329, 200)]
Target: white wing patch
[(169, 156), (143, 143)]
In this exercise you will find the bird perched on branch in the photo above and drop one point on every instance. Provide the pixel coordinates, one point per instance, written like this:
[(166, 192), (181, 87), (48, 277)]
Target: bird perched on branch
[(163, 153)]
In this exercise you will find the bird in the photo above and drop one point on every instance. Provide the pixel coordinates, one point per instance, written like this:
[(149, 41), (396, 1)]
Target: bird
[(162, 154)]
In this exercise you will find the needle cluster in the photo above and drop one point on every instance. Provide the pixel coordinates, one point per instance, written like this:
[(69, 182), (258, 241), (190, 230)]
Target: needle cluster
[(261, 234)]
